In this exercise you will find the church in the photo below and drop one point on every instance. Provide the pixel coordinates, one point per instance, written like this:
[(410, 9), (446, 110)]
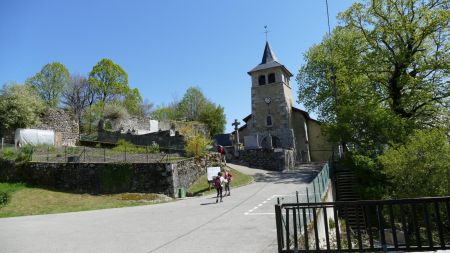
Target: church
[(274, 123)]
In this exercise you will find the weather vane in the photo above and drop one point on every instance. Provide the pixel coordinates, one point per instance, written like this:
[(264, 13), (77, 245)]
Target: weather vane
[(266, 31)]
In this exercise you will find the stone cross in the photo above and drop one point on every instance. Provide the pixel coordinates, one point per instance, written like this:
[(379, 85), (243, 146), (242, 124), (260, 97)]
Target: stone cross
[(236, 123)]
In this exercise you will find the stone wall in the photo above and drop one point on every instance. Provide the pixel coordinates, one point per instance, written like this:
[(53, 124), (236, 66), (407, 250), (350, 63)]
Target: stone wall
[(276, 160), (99, 178), (162, 138), (140, 124), (66, 129), (321, 149)]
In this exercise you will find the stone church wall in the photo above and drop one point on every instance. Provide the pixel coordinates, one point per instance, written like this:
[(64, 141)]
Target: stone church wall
[(320, 148), (302, 147)]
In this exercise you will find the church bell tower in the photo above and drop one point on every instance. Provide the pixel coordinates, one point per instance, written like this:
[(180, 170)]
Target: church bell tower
[(272, 100)]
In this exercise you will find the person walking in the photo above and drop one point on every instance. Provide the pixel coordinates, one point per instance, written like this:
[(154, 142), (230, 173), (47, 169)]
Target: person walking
[(227, 176), (221, 151), (219, 182)]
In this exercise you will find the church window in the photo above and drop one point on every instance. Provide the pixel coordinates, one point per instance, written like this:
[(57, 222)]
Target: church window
[(271, 78), (262, 80), (269, 120)]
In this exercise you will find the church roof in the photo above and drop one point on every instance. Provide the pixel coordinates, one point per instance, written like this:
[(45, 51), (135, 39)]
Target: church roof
[(269, 60)]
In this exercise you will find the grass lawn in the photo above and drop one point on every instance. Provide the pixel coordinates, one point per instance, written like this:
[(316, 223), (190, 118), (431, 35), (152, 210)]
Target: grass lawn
[(201, 187), (31, 201)]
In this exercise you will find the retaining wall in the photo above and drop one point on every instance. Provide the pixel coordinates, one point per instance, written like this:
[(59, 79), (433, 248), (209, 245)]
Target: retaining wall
[(100, 178), (277, 159)]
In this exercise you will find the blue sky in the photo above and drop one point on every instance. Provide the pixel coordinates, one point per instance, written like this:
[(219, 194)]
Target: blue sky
[(165, 46)]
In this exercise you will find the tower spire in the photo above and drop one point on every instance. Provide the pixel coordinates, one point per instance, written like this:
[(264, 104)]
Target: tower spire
[(269, 55)]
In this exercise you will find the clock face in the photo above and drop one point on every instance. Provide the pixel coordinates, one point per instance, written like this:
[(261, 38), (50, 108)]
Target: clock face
[(267, 100)]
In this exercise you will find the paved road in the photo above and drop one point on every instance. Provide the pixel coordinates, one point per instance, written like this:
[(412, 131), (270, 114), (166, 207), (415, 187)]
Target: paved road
[(244, 222)]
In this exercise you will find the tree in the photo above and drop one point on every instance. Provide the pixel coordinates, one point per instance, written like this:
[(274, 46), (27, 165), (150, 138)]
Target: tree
[(166, 112), (381, 74), (407, 54), (49, 82), (20, 107), (145, 108), (109, 79), (133, 101), (376, 80), (420, 167), (213, 116), (192, 104), (77, 96)]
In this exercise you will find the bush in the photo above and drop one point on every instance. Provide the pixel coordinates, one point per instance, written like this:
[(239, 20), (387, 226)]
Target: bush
[(6, 189), (197, 146), (370, 178), (8, 153), (125, 146), (4, 198), (420, 167), (154, 148), (23, 154)]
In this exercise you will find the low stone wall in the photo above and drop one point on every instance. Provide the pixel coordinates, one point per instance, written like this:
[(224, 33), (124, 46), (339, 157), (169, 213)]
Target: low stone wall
[(98, 178), (277, 160), (162, 138)]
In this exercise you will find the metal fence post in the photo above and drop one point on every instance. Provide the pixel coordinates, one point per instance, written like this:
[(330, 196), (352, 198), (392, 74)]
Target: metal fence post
[(65, 153), (84, 154), (104, 154), (146, 152), (307, 198), (125, 154), (48, 151), (279, 226)]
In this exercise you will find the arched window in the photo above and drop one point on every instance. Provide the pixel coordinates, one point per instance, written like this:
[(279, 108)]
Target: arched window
[(262, 80), (271, 78), (269, 120)]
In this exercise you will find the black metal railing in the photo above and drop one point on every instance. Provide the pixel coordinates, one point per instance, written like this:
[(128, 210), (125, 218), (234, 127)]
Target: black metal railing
[(420, 224)]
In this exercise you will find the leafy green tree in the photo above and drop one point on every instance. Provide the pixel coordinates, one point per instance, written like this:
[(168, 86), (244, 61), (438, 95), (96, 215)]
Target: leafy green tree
[(20, 107), (214, 117), (407, 54), (166, 112), (133, 101), (109, 79), (382, 73), (49, 82), (420, 167), (192, 104)]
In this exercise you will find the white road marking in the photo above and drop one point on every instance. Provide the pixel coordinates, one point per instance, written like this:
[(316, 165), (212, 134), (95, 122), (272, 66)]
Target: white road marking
[(259, 213)]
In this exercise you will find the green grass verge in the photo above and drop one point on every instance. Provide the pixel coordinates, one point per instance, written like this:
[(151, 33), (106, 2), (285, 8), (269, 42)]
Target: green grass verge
[(201, 187), (32, 201)]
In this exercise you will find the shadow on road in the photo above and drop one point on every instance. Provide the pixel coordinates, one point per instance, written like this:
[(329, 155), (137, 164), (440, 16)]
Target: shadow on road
[(299, 177), (209, 203)]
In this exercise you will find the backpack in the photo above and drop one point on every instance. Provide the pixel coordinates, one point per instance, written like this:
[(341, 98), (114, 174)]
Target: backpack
[(217, 183)]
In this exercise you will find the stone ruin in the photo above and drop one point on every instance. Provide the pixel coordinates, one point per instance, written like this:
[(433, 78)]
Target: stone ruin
[(67, 131)]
